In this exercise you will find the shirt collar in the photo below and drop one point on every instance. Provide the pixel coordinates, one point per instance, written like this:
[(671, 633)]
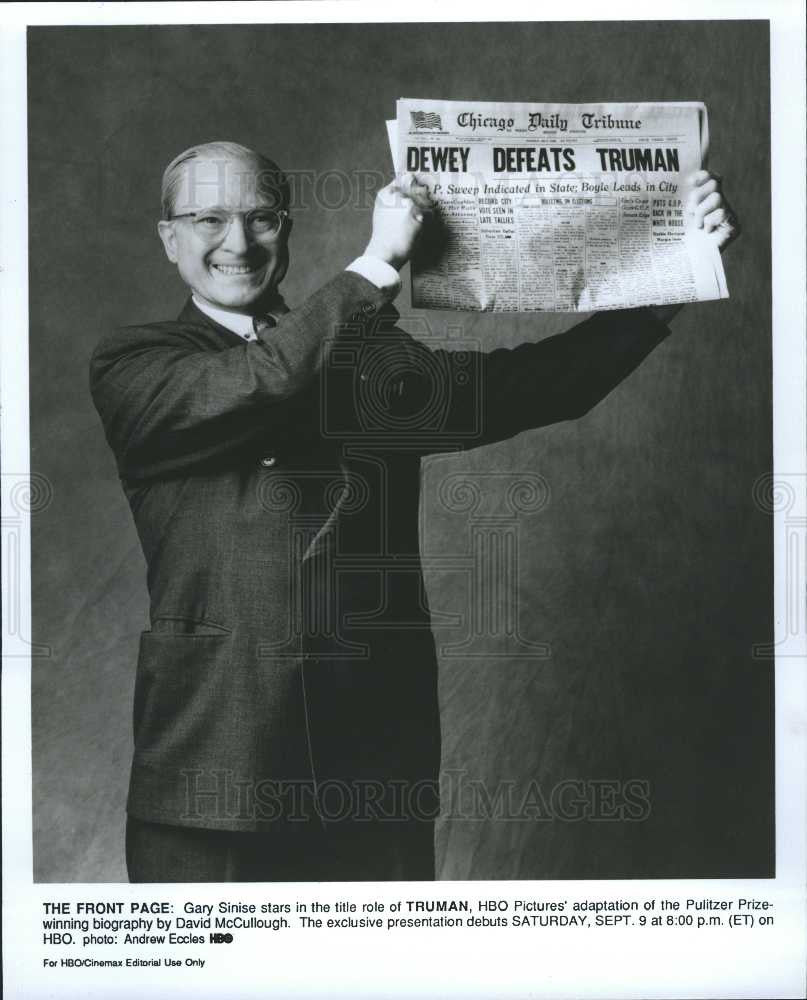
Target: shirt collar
[(239, 323)]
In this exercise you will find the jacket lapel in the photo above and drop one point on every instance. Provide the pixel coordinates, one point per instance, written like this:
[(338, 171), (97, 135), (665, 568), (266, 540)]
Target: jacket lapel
[(192, 314)]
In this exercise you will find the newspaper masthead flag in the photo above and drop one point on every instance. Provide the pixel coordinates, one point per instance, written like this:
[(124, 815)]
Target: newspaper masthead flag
[(425, 119)]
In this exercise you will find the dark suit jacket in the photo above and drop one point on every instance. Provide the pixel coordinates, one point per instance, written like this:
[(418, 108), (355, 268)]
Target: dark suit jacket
[(275, 487)]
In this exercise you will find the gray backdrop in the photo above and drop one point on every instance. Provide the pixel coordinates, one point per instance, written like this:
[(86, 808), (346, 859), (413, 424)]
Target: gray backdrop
[(649, 570)]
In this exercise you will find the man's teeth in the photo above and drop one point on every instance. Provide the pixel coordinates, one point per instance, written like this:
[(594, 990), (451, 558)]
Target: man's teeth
[(235, 268)]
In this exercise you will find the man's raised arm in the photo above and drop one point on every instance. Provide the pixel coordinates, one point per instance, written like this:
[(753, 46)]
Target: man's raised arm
[(488, 397), (173, 398)]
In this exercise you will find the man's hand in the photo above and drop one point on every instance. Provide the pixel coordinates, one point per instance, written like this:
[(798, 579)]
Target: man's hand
[(711, 210), (714, 215), (398, 217)]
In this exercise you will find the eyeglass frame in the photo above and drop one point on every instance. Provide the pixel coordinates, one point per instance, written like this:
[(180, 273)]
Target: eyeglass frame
[(282, 214)]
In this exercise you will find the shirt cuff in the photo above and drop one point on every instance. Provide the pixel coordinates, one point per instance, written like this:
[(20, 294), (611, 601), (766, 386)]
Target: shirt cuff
[(379, 273)]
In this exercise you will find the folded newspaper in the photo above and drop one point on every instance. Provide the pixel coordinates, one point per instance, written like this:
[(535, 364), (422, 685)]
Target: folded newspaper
[(557, 207)]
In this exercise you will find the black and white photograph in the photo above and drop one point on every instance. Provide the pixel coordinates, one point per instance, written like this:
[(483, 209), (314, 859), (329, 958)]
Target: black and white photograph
[(406, 501), (236, 562)]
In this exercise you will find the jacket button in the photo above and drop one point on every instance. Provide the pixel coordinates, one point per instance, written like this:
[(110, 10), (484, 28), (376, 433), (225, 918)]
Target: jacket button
[(268, 462)]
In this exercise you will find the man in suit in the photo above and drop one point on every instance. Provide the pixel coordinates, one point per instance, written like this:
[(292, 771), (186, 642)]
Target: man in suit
[(286, 720)]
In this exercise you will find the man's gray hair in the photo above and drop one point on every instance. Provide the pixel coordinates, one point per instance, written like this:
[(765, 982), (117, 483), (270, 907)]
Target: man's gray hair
[(272, 182)]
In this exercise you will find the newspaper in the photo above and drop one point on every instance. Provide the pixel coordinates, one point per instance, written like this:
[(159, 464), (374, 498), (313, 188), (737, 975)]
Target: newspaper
[(557, 207)]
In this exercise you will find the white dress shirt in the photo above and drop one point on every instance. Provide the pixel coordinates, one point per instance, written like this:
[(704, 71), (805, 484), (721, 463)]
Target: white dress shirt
[(378, 272)]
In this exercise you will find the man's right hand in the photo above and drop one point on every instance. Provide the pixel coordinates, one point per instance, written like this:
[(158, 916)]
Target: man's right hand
[(398, 217)]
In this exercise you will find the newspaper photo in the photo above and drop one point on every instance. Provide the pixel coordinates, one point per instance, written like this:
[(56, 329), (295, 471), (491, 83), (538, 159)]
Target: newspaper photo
[(558, 207)]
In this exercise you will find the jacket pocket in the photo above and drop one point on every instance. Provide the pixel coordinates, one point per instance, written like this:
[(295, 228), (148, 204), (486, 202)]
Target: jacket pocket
[(186, 626), (181, 677)]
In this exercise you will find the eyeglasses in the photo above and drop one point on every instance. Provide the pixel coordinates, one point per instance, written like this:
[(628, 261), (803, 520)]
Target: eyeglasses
[(212, 225)]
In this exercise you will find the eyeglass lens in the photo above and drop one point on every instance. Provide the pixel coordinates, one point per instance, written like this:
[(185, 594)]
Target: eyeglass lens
[(258, 222)]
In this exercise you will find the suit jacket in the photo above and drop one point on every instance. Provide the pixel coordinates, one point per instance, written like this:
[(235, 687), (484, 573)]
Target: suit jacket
[(290, 664)]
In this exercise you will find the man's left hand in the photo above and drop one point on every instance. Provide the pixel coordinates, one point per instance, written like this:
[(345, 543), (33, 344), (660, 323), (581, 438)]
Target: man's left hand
[(712, 212)]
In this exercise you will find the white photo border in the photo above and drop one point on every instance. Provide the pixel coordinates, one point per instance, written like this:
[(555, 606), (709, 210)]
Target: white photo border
[(614, 963)]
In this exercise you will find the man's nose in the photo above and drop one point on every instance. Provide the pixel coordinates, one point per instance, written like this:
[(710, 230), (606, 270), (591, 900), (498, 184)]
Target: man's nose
[(238, 238)]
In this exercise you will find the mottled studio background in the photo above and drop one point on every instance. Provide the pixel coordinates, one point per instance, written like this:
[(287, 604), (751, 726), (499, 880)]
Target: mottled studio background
[(649, 572)]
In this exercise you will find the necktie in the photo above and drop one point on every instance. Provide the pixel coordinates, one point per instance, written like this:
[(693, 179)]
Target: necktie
[(260, 323)]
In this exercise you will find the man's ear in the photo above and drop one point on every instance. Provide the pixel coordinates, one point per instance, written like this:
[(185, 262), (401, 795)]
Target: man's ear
[(169, 238)]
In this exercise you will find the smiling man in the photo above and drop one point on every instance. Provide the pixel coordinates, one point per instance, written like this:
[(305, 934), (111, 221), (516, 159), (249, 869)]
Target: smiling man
[(286, 720), (232, 267)]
